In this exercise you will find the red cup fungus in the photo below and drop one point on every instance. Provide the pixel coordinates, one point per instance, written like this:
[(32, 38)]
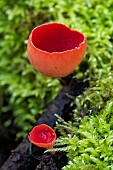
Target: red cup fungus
[(42, 136), (55, 50)]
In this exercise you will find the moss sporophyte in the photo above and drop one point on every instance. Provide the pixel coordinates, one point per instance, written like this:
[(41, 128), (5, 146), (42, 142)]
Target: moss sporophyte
[(56, 50), (42, 136)]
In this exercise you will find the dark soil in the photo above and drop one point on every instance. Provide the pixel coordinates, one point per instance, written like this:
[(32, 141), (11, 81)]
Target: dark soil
[(8, 141)]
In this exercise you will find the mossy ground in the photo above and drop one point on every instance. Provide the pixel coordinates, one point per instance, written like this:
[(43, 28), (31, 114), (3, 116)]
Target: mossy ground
[(25, 93)]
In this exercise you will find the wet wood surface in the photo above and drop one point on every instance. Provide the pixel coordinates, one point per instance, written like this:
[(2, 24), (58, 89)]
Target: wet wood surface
[(21, 158)]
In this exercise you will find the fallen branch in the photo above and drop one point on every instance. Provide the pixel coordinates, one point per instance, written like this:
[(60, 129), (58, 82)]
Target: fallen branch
[(20, 158)]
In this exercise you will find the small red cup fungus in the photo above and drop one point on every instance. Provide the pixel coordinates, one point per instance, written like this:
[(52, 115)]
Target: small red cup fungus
[(56, 50), (42, 136)]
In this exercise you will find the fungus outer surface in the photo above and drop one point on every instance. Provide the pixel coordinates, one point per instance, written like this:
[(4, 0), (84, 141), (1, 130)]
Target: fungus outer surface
[(55, 50)]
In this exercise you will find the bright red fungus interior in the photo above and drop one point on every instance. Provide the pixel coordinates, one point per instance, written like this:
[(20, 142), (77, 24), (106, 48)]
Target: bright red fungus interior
[(44, 135), (56, 38)]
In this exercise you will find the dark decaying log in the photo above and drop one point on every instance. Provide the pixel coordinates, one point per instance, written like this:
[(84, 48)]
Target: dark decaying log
[(20, 158)]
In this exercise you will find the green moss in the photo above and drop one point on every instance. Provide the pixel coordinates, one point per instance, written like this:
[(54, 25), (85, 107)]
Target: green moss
[(88, 140), (24, 92), (90, 145)]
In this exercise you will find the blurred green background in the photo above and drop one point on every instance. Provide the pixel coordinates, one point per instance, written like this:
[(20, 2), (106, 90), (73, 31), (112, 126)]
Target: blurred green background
[(25, 93)]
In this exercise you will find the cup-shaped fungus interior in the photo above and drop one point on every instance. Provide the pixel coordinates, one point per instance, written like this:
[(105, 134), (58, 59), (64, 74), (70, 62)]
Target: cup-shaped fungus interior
[(56, 38), (42, 135)]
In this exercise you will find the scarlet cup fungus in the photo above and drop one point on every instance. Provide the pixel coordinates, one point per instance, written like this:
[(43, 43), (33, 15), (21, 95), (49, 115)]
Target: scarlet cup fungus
[(42, 136), (56, 50)]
